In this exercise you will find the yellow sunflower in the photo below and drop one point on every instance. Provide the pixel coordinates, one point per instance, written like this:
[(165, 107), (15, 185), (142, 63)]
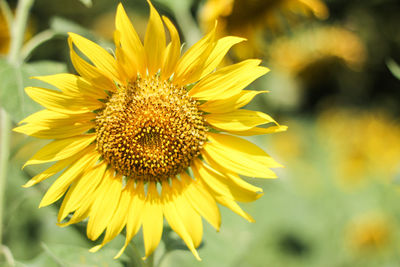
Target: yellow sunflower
[(317, 46), (4, 35), (373, 132), (139, 136), (369, 232), (253, 18)]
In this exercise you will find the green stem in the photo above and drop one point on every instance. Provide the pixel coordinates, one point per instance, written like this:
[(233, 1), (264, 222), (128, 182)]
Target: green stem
[(18, 31), (37, 40), (7, 255), (18, 26), (5, 130), (188, 25)]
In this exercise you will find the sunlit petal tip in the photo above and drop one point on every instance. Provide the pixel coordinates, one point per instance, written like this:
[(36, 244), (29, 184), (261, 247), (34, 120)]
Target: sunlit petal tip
[(154, 41), (259, 195), (282, 128), (64, 224), (95, 248), (18, 128), (120, 252), (28, 184), (42, 204), (72, 36), (196, 255), (266, 69), (150, 4), (165, 18), (121, 14), (236, 38)]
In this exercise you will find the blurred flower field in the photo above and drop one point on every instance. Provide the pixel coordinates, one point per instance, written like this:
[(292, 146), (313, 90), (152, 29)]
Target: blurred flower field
[(334, 80)]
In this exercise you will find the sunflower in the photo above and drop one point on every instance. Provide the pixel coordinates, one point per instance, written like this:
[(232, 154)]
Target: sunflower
[(373, 132), (4, 34), (253, 18), (317, 46), (369, 232), (139, 137)]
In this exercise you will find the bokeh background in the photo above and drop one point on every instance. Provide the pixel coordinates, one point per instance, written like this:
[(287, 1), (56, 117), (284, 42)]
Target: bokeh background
[(334, 81)]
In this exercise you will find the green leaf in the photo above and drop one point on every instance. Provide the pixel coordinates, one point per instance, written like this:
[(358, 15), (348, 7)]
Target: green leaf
[(393, 67), (66, 255), (13, 81)]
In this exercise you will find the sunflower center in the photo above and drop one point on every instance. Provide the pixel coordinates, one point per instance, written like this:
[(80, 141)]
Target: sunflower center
[(150, 130)]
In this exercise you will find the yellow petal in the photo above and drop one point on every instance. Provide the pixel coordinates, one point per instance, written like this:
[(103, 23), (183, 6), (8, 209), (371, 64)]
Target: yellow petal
[(55, 132), (191, 65), (105, 206), (228, 81), (86, 185), (126, 67), (82, 212), (201, 200), (190, 218), (229, 186), (170, 198), (118, 220), (97, 55), (89, 72), (62, 183), (154, 41), (152, 220), (54, 125), (66, 199), (230, 104), (130, 42), (225, 198), (55, 168), (232, 205), (238, 120), (62, 103), (135, 213), (48, 118), (221, 48), (258, 131), (172, 52), (71, 84), (244, 157), (61, 149)]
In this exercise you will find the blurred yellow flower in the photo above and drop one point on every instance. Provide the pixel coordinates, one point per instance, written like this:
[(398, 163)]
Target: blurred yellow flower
[(317, 44), (4, 35), (369, 232), (128, 132), (252, 18), (356, 139)]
